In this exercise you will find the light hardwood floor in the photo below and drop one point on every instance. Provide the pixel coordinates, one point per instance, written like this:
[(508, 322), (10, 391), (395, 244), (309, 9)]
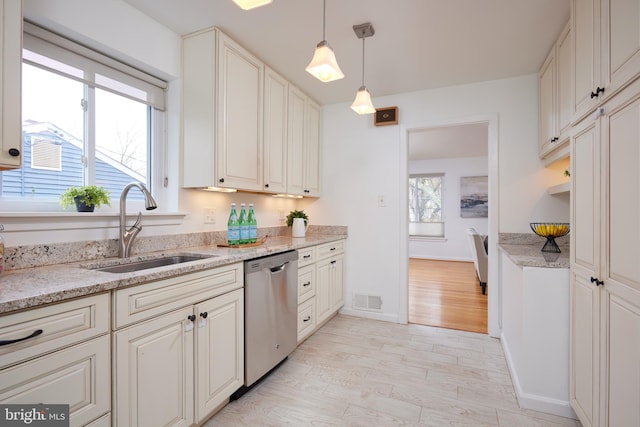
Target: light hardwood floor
[(446, 294), (362, 372)]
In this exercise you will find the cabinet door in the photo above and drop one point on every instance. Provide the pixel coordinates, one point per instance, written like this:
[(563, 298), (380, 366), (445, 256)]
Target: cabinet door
[(337, 283), (547, 103), (585, 195), (276, 94), (621, 48), (621, 140), (585, 25), (312, 149), (239, 117), (78, 376), (154, 372), (622, 356), (219, 351), (296, 141), (564, 101), (323, 290), (585, 346), (10, 86), (306, 318)]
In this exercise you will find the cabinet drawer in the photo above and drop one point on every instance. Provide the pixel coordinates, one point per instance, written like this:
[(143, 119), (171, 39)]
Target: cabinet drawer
[(142, 302), (306, 282), (79, 376), (306, 318), (330, 249), (306, 256), (61, 325)]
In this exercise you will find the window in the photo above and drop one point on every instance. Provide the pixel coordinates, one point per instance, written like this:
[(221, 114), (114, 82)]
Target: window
[(425, 205), (87, 120)]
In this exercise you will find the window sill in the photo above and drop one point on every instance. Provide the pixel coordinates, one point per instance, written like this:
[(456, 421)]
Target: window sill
[(48, 221), (416, 238)]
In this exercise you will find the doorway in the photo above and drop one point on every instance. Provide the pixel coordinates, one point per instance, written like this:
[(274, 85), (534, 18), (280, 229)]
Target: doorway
[(489, 124)]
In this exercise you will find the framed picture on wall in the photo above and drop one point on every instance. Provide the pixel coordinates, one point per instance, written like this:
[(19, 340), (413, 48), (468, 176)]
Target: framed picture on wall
[(474, 197)]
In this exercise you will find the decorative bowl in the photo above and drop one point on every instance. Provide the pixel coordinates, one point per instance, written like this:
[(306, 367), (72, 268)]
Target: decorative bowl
[(550, 230)]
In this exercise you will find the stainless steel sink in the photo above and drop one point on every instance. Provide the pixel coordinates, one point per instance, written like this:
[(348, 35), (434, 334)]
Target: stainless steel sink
[(152, 263)]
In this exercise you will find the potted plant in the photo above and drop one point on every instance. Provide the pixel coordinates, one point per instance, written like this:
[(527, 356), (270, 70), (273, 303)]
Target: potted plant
[(297, 214), (85, 198), (298, 220)]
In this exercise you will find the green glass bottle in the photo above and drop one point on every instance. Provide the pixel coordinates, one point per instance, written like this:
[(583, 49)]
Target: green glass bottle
[(233, 227), (253, 225), (244, 225)]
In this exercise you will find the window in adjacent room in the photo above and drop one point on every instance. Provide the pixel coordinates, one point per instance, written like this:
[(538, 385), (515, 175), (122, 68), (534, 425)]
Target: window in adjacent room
[(87, 120), (425, 205)]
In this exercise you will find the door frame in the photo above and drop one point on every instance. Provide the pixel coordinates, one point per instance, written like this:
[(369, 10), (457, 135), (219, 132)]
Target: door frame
[(494, 286)]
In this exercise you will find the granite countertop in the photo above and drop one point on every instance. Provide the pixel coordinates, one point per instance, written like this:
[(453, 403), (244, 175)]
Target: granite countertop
[(530, 255), (31, 287)]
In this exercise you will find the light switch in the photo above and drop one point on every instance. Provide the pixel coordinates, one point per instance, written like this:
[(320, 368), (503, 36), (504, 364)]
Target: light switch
[(209, 215)]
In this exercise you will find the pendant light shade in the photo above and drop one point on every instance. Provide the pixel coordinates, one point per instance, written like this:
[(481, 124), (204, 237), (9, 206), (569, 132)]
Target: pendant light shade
[(251, 4), (323, 65), (362, 104)]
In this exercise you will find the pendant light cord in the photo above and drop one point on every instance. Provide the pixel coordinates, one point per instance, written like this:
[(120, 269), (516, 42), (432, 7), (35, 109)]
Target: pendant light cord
[(363, 57), (324, 19)]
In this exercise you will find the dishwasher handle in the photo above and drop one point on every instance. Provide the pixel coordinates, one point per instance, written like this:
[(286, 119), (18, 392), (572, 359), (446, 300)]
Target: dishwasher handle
[(279, 268)]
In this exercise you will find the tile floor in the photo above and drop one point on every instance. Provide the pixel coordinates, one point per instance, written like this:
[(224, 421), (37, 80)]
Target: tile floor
[(361, 372)]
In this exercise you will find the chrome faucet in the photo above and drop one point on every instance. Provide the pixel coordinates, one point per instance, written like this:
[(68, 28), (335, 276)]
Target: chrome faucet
[(127, 236)]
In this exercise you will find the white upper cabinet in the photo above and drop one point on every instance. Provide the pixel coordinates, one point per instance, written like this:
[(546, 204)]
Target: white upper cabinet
[(555, 97), (304, 145), (10, 84), (276, 93), (239, 117), (243, 125), (222, 113), (606, 50)]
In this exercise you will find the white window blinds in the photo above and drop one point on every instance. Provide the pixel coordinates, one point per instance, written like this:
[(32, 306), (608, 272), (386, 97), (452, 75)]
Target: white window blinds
[(57, 54)]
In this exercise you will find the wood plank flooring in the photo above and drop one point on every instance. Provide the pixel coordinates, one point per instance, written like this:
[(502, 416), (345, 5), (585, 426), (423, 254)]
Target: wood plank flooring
[(363, 372), (446, 294)]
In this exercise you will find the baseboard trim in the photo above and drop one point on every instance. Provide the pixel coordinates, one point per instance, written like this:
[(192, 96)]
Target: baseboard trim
[(386, 317), (441, 258), (532, 401)]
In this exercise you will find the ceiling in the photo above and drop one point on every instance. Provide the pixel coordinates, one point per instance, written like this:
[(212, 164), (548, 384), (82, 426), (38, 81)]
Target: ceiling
[(418, 44), (449, 142)]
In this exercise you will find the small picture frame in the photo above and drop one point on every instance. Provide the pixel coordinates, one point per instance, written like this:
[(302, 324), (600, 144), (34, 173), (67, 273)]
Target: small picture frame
[(386, 116)]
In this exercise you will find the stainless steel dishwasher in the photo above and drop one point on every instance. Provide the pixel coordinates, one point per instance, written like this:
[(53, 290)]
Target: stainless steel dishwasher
[(271, 313)]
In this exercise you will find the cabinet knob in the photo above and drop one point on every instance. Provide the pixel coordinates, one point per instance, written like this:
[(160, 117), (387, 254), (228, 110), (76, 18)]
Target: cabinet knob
[(266, 186), (596, 281), (221, 180), (204, 315), (598, 91), (14, 152), (191, 317), (306, 191)]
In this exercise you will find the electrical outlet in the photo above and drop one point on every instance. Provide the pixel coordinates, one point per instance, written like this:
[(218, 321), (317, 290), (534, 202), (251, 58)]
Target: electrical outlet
[(382, 201), (209, 215)]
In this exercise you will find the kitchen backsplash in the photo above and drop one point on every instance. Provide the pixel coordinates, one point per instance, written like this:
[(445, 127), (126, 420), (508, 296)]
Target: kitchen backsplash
[(29, 256)]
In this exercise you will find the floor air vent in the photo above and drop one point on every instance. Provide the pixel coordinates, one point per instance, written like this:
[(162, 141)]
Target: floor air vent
[(367, 302)]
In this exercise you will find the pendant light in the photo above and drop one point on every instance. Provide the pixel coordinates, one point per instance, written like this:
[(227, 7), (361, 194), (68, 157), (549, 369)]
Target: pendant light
[(323, 65), (251, 4), (362, 104)]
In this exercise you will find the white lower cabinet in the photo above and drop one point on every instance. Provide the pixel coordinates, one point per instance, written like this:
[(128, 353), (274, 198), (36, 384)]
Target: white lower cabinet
[(60, 354), (320, 285), (78, 376), (177, 368)]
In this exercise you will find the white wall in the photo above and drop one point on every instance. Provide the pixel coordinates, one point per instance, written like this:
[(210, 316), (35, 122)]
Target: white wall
[(365, 163), (455, 246)]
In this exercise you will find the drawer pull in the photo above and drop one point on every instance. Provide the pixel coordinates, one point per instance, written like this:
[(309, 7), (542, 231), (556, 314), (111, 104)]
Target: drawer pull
[(306, 284), (306, 256), (306, 319), (34, 334), (332, 249)]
